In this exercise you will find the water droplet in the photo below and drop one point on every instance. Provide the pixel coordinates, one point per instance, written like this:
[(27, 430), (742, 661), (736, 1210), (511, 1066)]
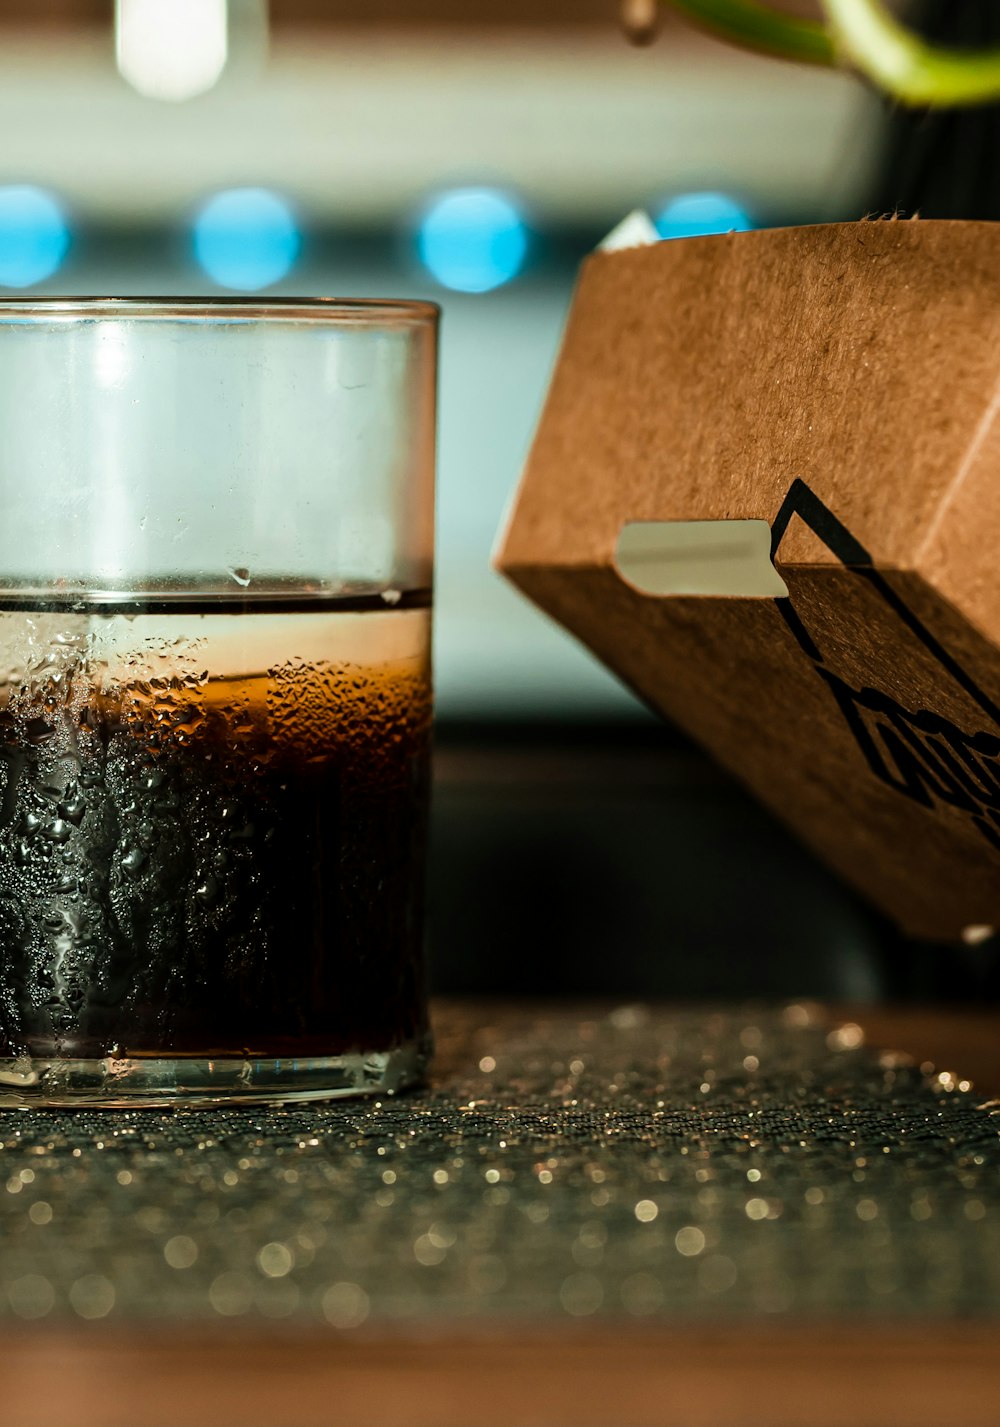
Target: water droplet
[(73, 809), (134, 860), (38, 731), (207, 890), (240, 574)]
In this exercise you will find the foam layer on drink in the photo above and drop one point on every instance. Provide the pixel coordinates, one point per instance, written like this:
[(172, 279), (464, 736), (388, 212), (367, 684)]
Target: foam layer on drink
[(212, 831)]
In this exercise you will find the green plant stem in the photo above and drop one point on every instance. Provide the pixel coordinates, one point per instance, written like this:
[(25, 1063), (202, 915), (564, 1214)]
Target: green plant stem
[(904, 65), (861, 34), (757, 27)]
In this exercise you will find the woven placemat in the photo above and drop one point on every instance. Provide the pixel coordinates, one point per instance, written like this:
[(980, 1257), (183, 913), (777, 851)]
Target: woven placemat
[(635, 1163)]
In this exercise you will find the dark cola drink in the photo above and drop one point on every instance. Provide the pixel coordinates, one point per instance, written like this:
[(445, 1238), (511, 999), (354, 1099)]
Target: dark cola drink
[(212, 831)]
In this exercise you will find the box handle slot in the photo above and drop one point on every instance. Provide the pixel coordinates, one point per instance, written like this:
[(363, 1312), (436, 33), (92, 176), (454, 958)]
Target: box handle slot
[(714, 558)]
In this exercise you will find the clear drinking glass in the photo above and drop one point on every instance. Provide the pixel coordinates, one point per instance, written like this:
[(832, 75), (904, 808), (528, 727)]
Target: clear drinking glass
[(215, 572)]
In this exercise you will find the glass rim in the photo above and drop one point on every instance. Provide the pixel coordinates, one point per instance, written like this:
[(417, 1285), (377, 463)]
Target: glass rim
[(344, 311)]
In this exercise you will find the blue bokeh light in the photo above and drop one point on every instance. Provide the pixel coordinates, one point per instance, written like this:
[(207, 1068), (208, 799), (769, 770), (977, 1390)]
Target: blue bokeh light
[(693, 215), (472, 240), (34, 235), (246, 238)]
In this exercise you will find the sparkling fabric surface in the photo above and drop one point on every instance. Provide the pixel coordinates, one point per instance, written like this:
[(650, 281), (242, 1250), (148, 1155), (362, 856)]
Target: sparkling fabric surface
[(635, 1163)]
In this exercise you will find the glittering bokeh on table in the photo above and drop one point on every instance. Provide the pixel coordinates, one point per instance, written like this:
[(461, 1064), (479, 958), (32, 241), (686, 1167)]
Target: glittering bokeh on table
[(637, 1163)]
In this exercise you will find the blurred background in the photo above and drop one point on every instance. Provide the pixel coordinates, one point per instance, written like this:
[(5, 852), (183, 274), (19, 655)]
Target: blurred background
[(474, 154)]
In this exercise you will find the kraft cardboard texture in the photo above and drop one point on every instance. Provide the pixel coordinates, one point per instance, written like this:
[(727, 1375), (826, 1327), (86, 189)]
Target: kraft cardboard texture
[(843, 384)]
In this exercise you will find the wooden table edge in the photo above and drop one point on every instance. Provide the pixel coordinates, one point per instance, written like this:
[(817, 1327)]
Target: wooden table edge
[(868, 1374)]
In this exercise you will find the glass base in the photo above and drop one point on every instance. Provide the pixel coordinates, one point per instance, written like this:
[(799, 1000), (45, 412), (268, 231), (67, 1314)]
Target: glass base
[(130, 1082)]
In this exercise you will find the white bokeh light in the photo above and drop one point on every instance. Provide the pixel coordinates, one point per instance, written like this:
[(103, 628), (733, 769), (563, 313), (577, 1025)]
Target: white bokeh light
[(171, 49)]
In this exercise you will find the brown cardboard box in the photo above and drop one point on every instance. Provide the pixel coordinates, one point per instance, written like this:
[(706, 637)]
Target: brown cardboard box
[(841, 383)]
